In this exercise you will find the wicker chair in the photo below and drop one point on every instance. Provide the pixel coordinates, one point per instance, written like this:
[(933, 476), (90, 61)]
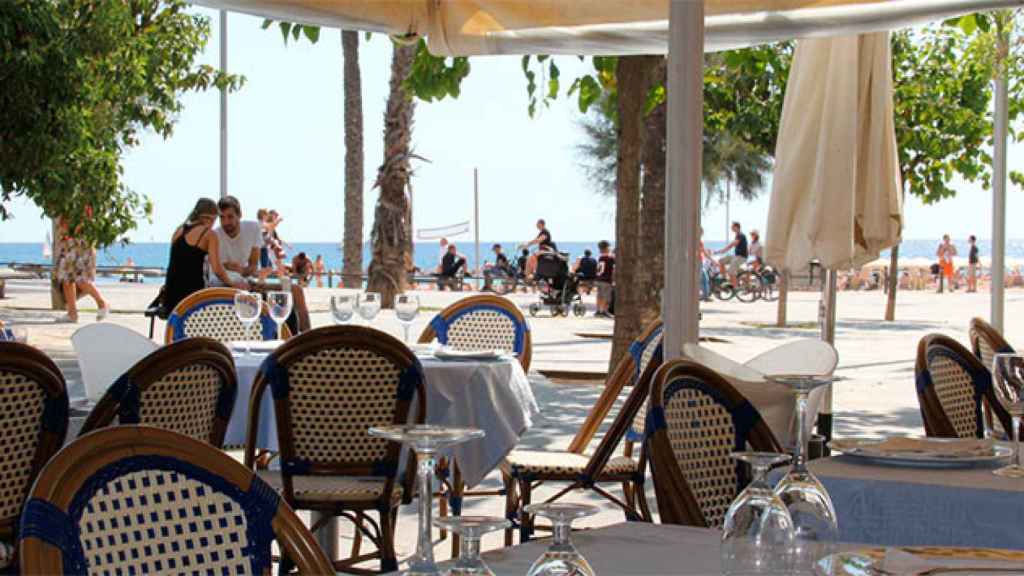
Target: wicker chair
[(329, 386), (697, 420), (210, 312), (33, 423), (188, 387), (524, 470), (986, 342), (483, 322), (954, 390), (139, 500)]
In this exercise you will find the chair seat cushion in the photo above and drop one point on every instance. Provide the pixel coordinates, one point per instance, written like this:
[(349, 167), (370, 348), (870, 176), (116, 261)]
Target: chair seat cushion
[(332, 488), (569, 465)]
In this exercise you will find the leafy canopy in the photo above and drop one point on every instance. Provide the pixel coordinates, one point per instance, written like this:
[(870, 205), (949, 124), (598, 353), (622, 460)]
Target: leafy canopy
[(82, 79)]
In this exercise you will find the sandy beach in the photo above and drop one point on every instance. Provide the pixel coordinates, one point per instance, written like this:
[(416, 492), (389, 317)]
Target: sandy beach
[(876, 358)]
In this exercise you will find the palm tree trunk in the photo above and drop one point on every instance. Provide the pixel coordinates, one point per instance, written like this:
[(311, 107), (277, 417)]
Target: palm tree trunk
[(652, 209), (893, 280), (391, 258), (633, 76), (353, 240)]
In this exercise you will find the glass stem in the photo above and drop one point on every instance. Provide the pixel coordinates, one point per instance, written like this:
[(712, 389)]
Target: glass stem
[(1016, 440), (424, 547), (560, 532), (405, 329), (469, 549), (799, 451)]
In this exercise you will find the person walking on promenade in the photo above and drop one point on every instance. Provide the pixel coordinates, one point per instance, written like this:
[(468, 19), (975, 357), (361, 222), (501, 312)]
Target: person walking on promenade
[(945, 254), (605, 279), (972, 264), (75, 270)]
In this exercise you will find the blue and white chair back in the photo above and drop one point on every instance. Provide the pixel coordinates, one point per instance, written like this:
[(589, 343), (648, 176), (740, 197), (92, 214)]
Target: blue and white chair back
[(210, 313), (483, 322)]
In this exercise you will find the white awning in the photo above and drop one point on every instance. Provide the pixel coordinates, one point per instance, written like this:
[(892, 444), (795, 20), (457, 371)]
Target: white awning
[(612, 27)]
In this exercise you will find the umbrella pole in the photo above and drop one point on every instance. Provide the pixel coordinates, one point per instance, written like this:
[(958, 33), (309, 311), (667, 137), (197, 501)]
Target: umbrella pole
[(682, 198), (827, 318), (223, 105), (998, 266)]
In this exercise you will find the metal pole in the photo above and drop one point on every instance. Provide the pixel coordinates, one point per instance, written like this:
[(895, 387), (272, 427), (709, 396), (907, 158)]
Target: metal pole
[(828, 334), (476, 225), (999, 190), (223, 105), (682, 198)]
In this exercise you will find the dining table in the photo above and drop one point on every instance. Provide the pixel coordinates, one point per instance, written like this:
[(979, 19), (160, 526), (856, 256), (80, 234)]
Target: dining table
[(917, 505), (492, 394)]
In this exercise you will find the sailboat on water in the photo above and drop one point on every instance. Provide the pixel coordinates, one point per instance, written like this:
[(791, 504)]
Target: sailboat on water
[(48, 247)]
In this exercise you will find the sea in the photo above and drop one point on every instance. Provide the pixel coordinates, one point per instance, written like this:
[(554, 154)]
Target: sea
[(154, 255)]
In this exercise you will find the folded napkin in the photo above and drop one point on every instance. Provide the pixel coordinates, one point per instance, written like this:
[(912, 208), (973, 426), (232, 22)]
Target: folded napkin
[(901, 563), (445, 353), (966, 447)]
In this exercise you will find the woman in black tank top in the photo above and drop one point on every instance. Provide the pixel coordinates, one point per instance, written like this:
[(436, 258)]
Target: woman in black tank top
[(186, 270)]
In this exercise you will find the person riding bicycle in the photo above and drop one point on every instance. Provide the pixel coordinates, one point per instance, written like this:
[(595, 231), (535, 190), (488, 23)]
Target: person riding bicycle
[(731, 263), (756, 258)]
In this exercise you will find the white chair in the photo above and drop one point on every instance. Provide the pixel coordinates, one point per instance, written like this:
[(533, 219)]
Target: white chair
[(105, 351), (774, 401)]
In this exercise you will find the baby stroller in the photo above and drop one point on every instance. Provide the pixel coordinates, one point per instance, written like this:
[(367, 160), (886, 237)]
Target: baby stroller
[(558, 288)]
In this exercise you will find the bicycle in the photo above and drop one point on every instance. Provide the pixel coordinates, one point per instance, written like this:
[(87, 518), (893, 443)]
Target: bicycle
[(753, 284)]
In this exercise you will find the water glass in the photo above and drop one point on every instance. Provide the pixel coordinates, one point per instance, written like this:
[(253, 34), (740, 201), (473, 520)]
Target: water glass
[(407, 307), (561, 558), (343, 306), (471, 529), (758, 532), (815, 527), (368, 305), (1008, 381), (248, 306), (280, 304)]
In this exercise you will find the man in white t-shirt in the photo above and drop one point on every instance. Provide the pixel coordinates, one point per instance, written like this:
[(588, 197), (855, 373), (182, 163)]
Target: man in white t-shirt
[(239, 241)]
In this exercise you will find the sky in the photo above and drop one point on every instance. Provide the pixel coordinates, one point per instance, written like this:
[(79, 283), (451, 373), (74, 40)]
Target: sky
[(286, 151)]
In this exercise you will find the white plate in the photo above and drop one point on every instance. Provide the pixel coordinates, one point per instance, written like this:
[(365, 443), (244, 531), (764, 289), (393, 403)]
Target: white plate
[(445, 353), (266, 346), (862, 450)]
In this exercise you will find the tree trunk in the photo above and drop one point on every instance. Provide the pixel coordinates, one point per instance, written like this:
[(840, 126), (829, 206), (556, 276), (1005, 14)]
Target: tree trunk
[(56, 290), (780, 314), (353, 240), (391, 258), (894, 282), (633, 74), (652, 209)]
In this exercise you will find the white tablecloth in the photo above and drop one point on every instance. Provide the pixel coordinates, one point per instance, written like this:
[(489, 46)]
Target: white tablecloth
[(493, 395)]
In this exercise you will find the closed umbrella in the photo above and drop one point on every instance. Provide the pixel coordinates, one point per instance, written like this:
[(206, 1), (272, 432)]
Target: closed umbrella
[(836, 187)]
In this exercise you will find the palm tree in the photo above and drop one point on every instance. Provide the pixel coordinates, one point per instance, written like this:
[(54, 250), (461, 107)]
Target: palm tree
[(391, 245), (353, 238)]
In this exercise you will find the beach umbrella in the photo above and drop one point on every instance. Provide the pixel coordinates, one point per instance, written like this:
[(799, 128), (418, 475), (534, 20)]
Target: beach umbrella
[(836, 185), (682, 28)]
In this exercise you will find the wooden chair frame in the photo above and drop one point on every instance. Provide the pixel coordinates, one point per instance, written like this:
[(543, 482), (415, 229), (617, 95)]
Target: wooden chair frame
[(219, 295), (73, 468), (298, 348), (518, 491), (53, 426), (936, 421), (984, 334), (123, 398), (677, 503), (498, 303)]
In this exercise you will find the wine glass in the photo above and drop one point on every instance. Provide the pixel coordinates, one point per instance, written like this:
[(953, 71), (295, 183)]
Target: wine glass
[(758, 532), (248, 306), (368, 305), (343, 306), (1008, 377), (471, 529), (561, 558), (815, 527), (280, 304), (407, 307), (426, 441)]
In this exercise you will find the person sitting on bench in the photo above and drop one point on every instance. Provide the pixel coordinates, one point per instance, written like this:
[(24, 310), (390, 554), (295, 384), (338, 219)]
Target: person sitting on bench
[(451, 264)]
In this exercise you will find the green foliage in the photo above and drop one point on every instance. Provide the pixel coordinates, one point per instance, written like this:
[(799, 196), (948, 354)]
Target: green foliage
[(942, 91), (81, 79)]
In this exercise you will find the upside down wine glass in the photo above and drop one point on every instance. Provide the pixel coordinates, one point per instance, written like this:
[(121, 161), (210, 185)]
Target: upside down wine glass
[(815, 528), (561, 558), (426, 441), (1008, 378), (471, 529), (757, 533)]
